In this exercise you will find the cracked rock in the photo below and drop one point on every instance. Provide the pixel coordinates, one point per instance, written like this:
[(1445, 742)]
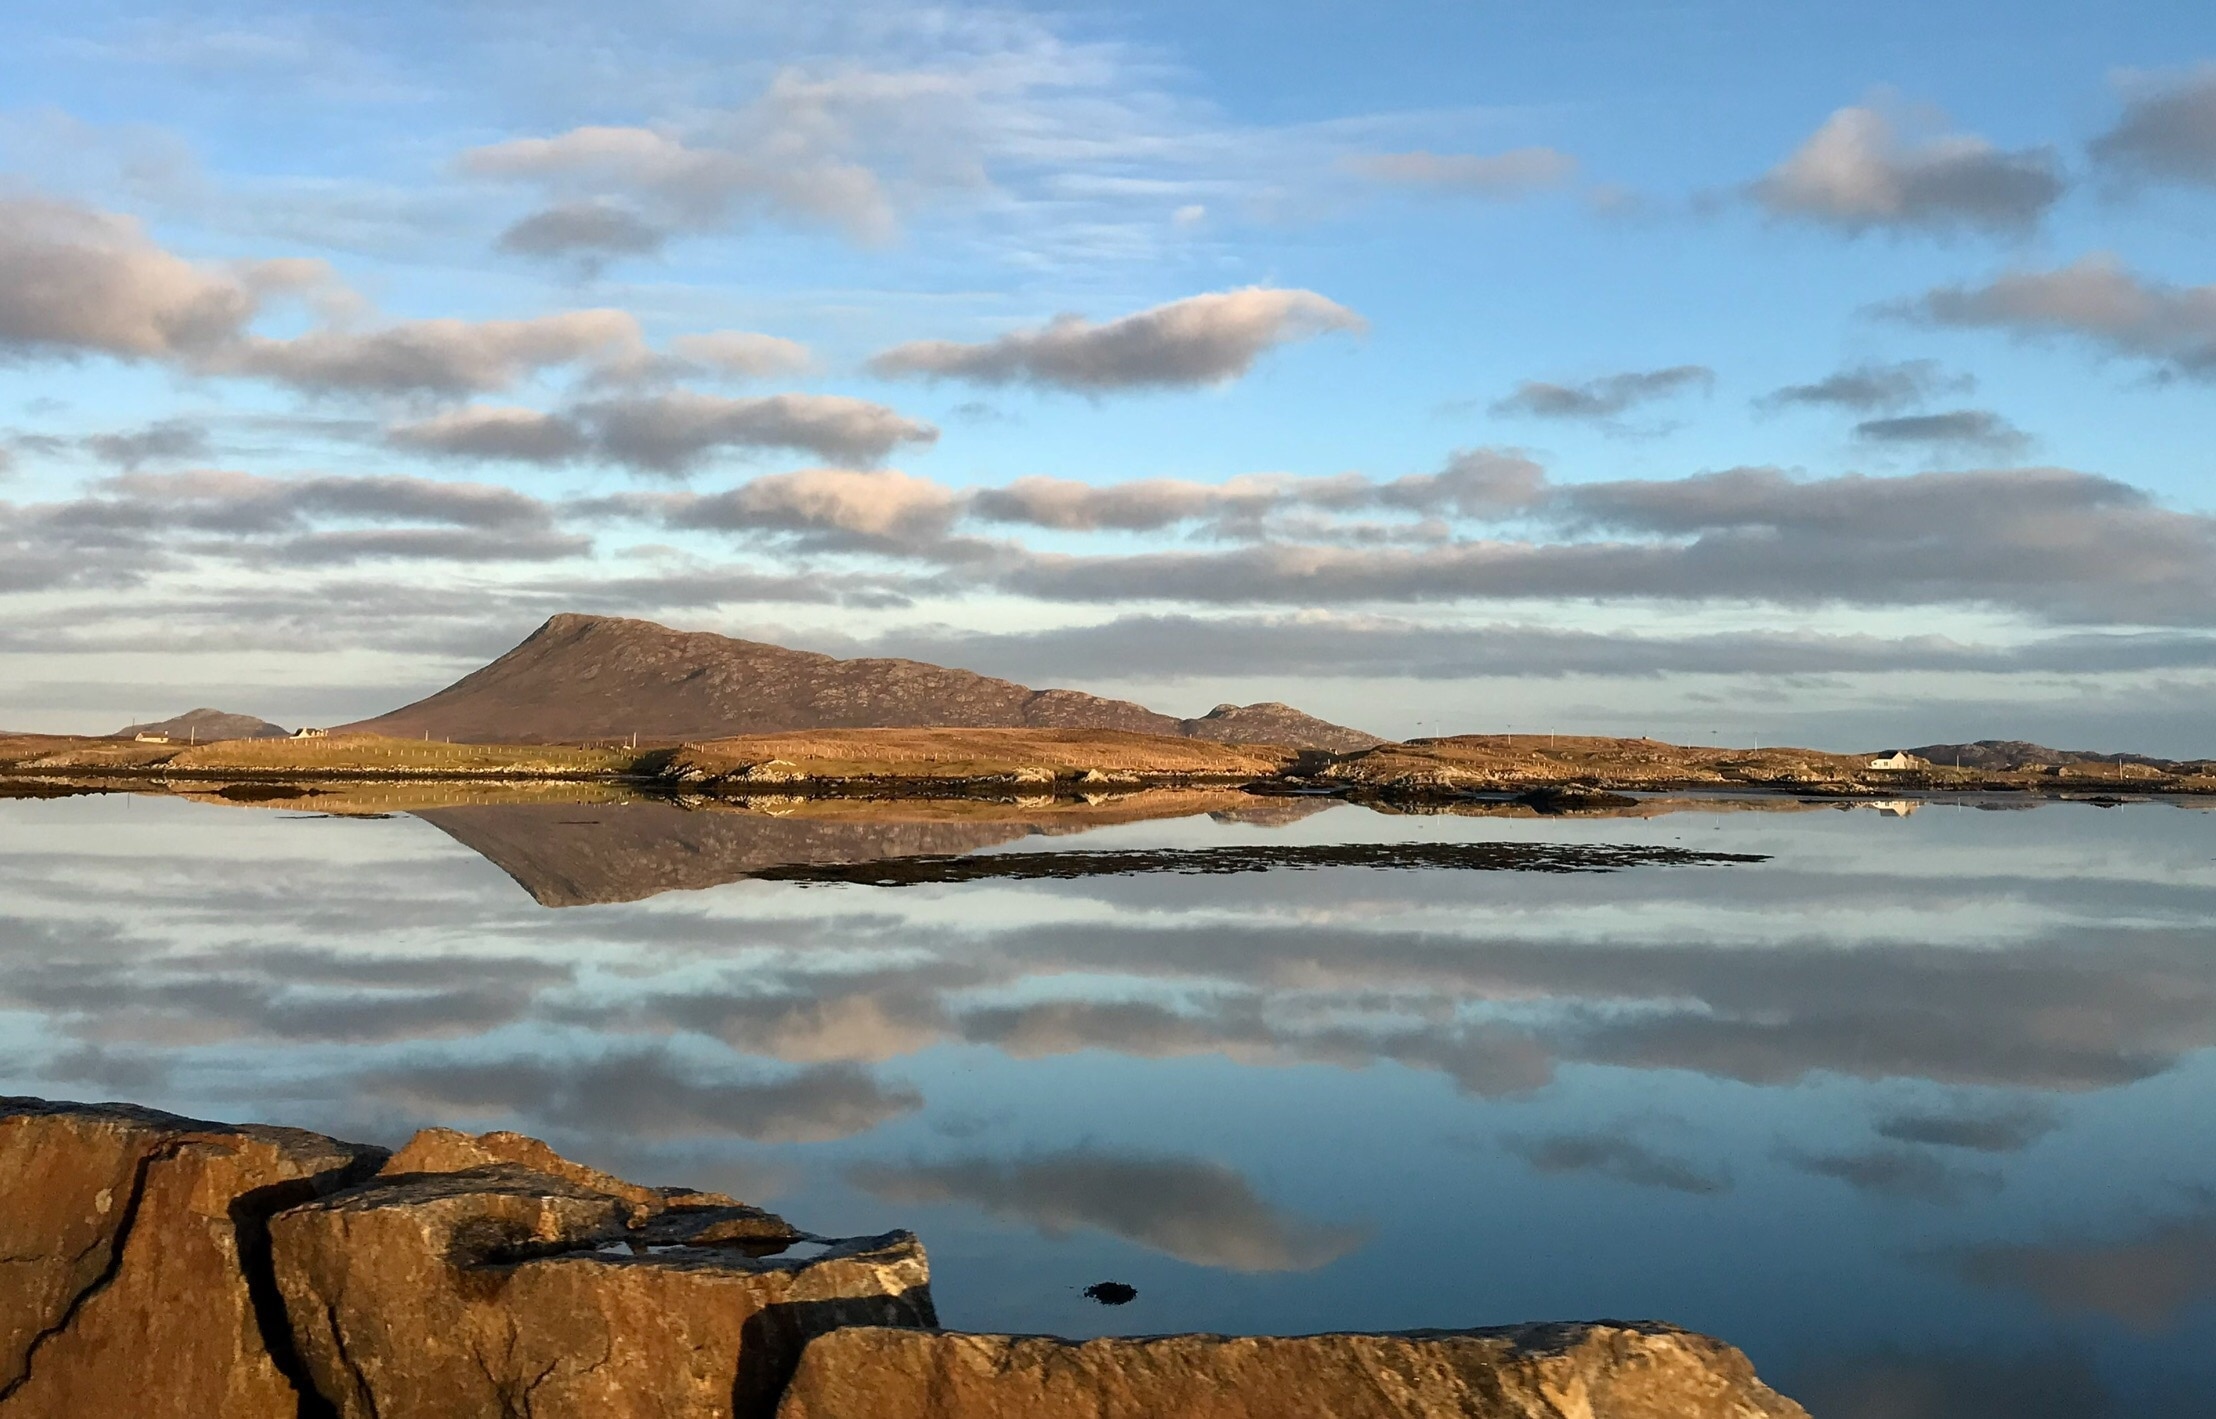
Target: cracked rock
[(505, 1290), (134, 1243), (1604, 1370)]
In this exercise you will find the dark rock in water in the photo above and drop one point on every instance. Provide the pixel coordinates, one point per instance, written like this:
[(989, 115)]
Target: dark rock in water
[(1111, 1293), (1555, 799), (1605, 1370), (137, 1279), (263, 792), (505, 1290)]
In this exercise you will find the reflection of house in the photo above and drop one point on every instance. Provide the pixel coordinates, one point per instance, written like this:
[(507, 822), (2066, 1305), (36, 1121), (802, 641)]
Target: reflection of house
[(309, 733), (1898, 759)]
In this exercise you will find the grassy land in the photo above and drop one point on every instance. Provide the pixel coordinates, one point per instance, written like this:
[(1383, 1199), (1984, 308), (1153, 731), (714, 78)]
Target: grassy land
[(1002, 756), (351, 756)]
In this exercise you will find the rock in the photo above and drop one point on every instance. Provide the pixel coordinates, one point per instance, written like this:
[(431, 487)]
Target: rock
[(134, 1244), (1605, 1370), (504, 1290), (1573, 798), (447, 1150)]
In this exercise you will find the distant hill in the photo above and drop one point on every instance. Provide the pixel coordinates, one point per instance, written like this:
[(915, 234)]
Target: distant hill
[(2001, 755), (207, 726), (607, 677)]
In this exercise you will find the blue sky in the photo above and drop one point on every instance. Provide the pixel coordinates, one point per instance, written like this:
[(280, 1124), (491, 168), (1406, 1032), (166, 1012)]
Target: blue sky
[(1821, 373)]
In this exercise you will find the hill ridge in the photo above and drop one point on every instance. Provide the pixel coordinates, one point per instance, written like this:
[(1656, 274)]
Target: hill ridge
[(583, 677)]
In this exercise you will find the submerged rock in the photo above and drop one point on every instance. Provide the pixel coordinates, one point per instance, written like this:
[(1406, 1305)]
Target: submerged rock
[(134, 1270), (502, 1289), (1605, 1370)]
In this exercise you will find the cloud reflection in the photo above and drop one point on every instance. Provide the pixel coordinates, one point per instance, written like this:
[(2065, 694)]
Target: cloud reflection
[(1197, 1211)]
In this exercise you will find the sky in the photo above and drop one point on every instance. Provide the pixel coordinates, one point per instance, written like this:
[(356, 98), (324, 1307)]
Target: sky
[(1722, 371)]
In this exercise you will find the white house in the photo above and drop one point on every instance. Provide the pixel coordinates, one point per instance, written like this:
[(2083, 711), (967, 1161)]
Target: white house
[(309, 733), (1898, 759)]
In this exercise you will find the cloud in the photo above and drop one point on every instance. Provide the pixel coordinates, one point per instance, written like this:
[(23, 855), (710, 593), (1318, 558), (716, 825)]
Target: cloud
[(649, 1094), (2008, 1130), (671, 433), (163, 441), (2147, 1282), (1509, 174), (485, 432), (2057, 543), (1201, 340), (1858, 172), (2167, 131), (1905, 1173), (1978, 429), (2097, 299), (882, 505), (1604, 398), (1614, 1156), (590, 232), (1199, 1212), (76, 281), (1872, 388), (743, 354), (668, 434), (1953, 1384), (436, 357)]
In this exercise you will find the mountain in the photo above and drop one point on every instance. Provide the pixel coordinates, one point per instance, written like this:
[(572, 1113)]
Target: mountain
[(608, 677), (207, 726), (2002, 755)]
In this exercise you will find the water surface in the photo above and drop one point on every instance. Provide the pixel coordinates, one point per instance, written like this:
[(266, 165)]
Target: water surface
[(1916, 1108)]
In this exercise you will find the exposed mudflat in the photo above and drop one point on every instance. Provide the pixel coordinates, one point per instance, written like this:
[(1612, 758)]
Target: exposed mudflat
[(1216, 861)]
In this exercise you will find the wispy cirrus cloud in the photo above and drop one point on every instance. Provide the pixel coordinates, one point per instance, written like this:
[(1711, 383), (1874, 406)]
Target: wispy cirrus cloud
[(1514, 173)]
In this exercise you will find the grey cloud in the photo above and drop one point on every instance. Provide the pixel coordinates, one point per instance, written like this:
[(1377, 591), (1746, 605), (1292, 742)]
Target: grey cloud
[(2146, 1281), (883, 506), (339, 549), (2097, 299), (1898, 1172), (2008, 1130), (650, 1094), (1322, 644), (442, 357), (1199, 1212), (1858, 172), (76, 281), (1508, 174), (668, 434), (2057, 543), (1873, 388), (1978, 429), (1613, 1155), (1480, 482), (514, 435), (2167, 131), (1604, 398), (1201, 340), (1953, 1384), (590, 232), (164, 441)]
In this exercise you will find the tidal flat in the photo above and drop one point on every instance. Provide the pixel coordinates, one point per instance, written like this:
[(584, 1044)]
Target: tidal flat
[(1904, 1098)]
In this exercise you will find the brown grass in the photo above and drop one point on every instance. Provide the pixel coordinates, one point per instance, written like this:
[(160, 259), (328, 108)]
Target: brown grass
[(980, 754)]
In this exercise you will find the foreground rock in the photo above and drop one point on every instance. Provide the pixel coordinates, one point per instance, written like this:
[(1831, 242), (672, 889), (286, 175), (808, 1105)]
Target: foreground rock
[(134, 1271), (505, 1290), (1606, 1370)]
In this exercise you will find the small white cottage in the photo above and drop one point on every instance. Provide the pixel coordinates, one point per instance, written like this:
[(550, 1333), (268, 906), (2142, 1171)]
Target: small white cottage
[(1898, 759)]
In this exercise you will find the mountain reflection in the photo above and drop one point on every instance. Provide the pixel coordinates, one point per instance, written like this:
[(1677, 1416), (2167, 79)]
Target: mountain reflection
[(1900, 1072)]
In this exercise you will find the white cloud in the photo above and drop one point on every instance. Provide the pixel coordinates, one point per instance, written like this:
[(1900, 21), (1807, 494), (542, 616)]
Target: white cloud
[(2097, 299)]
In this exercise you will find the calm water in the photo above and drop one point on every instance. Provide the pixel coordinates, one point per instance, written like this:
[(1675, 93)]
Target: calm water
[(1918, 1111)]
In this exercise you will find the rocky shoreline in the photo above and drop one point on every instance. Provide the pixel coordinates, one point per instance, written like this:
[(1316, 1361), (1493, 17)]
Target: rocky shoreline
[(169, 1268)]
